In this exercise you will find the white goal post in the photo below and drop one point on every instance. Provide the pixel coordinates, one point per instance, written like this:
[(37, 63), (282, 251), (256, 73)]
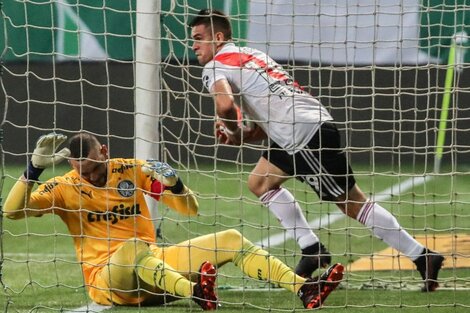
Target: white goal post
[(147, 85)]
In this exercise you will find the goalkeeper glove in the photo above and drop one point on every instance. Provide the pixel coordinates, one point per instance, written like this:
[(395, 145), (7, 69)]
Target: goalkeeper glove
[(44, 155), (165, 174)]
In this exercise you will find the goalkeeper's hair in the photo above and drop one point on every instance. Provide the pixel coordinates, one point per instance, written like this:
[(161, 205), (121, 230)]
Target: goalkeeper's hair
[(215, 19), (81, 144)]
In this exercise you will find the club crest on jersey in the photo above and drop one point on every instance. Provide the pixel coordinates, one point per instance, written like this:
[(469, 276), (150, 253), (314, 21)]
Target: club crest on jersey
[(126, 188)]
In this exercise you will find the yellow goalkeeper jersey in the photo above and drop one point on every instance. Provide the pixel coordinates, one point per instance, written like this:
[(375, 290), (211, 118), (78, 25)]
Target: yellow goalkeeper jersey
[(101, 218)]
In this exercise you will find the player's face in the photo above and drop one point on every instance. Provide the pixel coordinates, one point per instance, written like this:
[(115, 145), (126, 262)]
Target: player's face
[(94, 168), (206, 44)]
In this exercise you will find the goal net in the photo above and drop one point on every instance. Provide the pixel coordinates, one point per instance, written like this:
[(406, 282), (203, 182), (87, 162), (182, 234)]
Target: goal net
[(393, 74)]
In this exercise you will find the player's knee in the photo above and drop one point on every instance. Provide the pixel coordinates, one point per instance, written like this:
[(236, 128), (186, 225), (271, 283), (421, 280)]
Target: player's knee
[(256, 185), (135, 247), (231, 235), (235, 238), (251, 184)]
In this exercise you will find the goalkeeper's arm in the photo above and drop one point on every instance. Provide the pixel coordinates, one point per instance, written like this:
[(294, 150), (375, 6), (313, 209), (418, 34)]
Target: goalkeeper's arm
[(44, 155), (184, 202), (17, 200), (176, 195)]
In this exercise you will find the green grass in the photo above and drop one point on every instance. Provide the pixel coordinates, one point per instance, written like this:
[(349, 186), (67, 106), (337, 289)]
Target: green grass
[(39, 272)]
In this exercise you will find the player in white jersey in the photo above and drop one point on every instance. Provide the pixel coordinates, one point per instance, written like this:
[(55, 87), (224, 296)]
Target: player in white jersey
[(268, 96), (303, 143)]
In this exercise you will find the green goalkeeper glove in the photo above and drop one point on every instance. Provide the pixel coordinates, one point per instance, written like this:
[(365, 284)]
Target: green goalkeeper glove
[(45, 155), (165, 174)]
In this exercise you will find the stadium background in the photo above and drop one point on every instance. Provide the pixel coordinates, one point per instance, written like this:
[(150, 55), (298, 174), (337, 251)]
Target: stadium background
[(54, 78)]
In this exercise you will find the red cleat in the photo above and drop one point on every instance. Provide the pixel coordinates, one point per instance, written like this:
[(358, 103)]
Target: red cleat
[(315, 290), (204, 289)]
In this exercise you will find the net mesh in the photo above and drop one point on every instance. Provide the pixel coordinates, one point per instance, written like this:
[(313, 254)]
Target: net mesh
[(378, 66)]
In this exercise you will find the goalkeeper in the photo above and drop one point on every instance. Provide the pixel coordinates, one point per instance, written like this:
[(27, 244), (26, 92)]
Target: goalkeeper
[(101, 200)]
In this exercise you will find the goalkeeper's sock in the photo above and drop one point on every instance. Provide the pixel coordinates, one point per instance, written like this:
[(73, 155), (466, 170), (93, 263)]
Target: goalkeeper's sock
[(286, 209), (257, 263), (157, 273), (385, 226)]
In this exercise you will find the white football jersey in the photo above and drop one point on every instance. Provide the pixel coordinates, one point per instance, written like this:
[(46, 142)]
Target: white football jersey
[(268, 95)]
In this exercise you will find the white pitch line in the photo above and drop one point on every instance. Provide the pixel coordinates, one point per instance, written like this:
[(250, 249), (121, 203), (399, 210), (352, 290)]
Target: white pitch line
[(40, 256), (326, 220), (92, 307)]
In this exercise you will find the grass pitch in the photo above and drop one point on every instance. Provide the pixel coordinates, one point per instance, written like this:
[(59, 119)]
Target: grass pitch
[(40, 273)]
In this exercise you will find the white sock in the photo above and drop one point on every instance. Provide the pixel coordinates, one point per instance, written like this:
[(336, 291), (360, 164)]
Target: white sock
[(385, 226), (283, 205)]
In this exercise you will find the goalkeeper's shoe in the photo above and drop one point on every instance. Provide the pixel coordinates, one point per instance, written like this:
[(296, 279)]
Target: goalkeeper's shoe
[(315, 290), (204, 289), (313, 257), (428, 265)]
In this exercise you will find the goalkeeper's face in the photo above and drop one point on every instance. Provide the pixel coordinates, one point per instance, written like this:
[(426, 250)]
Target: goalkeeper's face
[(93, 168)]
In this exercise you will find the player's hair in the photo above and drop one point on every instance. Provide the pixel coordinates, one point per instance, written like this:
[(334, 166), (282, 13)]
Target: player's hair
[(81, 144), (214, 19)]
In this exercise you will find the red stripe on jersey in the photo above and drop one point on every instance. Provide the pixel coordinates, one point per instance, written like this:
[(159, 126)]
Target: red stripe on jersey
[(240, 59), (265, 198)]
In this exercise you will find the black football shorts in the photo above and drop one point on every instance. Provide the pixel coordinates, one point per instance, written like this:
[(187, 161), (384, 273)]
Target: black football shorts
[(322, 163)]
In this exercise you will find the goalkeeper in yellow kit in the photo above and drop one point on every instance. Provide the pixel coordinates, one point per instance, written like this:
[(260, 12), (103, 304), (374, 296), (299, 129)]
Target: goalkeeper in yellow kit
[(101, 200)]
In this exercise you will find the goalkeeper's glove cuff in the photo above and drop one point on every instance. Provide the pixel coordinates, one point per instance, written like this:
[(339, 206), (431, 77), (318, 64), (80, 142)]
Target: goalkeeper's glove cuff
[(32, 173), (178, 187)]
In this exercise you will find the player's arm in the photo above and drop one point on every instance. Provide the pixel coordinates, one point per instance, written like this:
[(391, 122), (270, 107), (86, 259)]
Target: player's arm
[(255, 133), (18, 205), (228, 127), (226, 108), (176, 195), (18, 199)]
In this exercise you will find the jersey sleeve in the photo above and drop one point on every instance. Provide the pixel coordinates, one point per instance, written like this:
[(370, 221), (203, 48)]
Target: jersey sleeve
[(212, 72), (47, 195)]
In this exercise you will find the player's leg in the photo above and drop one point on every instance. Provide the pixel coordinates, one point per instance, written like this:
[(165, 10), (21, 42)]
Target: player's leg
[(230, 246), (337, 183), (134, 275), (386, 227), (154, 271), (265, 182), (380, 221), (279, 162), (117, 282)]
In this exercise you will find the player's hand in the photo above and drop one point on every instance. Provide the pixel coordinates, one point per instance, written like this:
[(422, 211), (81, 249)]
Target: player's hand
[(161, 171), (45, 155), (229, 138), (165, 174), (246, 134), (221, 135)]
